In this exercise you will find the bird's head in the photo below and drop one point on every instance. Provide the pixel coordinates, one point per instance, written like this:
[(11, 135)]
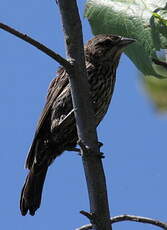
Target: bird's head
[(106, 48)]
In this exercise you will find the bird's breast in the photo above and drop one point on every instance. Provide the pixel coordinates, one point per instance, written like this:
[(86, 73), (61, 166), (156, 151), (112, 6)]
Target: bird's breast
[(101, 80)]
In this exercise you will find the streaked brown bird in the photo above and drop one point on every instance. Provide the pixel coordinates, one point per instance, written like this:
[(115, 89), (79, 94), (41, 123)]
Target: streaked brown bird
[(56, 129)]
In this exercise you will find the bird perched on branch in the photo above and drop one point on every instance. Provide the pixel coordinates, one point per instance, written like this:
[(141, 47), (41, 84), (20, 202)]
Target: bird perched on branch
[(56, 130)]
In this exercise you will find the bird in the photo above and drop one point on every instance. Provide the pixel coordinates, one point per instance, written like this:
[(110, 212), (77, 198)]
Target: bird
[(56, 129)]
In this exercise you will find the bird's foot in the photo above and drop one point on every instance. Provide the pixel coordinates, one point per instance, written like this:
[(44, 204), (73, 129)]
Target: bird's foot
[(86, 151)]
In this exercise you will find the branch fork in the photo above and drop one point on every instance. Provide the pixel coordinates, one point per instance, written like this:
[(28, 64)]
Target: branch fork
[(125, 217), (68, 65), (90, 216)]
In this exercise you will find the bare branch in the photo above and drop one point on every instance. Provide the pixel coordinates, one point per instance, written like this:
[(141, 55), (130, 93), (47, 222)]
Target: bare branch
[(67, 65), (85, 227), (84, 115), (139, 219)]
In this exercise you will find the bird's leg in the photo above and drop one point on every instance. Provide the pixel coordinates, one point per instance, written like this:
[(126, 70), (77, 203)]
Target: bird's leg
[(74, 149)]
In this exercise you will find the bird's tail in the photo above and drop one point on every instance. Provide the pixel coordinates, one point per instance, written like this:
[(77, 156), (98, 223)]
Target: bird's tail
[(32, 190)]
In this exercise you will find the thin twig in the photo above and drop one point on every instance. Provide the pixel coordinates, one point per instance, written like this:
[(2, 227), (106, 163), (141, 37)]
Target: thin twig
[(139, 219), (62, 61), (87, 214)]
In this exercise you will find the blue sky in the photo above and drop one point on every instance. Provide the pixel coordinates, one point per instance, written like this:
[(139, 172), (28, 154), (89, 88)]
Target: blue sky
[(133, 133)]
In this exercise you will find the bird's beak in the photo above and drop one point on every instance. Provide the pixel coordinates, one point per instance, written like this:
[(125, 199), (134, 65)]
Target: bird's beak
[(126, 41)]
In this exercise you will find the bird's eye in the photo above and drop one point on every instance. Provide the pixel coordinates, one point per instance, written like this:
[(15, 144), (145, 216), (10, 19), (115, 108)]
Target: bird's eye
[(106, 42)]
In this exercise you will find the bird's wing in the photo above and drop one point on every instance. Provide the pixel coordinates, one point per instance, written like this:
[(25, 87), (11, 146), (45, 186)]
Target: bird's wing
[(55, 89)]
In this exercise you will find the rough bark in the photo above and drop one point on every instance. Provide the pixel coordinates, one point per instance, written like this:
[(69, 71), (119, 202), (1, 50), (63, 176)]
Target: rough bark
[(84, 115)]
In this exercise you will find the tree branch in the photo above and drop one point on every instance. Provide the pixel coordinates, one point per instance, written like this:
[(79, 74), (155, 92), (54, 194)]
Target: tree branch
[(139, 219), (67, 65), (85, 118)]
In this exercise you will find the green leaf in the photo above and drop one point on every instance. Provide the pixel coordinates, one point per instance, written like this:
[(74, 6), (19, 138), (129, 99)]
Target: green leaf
[(143, 20), (157, 90)]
